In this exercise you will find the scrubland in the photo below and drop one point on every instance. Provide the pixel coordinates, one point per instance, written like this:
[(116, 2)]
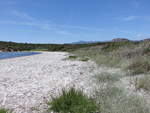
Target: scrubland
[(126, 90)]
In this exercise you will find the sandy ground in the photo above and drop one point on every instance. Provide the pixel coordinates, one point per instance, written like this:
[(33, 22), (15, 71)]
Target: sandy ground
[(27, 83)]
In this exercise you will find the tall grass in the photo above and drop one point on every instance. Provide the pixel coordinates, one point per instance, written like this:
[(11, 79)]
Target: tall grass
[(72, 101)]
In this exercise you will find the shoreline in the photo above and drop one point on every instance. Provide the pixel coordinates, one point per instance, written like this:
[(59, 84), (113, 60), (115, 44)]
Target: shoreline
[(28, 82)]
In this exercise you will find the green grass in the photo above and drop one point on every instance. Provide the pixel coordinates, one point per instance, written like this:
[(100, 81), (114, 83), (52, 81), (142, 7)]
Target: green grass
[(2, 110), (72, 57), (72, 101), (39, 49)]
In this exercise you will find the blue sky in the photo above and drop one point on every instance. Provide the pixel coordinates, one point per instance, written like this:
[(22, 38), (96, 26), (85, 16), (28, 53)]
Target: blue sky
[(63, 21)]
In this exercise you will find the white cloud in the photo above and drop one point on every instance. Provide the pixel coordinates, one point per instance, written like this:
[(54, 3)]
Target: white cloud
[(129, 18), (64, 32), (24, 19), (22, 15)]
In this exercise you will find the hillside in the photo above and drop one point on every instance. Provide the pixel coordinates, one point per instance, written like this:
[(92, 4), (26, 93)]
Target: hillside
[(13, 46)]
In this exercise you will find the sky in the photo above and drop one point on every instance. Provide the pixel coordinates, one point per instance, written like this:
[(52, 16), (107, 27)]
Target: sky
[(65, 21)]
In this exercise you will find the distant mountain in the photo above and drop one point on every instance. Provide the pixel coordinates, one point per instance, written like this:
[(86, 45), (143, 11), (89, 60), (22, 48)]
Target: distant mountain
[(84, 42), (146, 40), (120, 40)]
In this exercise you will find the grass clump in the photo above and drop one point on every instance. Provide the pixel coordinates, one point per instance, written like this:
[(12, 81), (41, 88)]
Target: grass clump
[(73, 101), (73, 57), (2, 110), (143, 83), (139, 66)]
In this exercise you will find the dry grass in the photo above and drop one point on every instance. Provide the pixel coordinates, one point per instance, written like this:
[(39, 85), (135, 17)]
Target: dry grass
[(113, 99), (139, 65), (143, 83), (107, 77)]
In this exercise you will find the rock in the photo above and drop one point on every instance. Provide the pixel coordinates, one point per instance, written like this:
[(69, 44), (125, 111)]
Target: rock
[(146, 40), (120, 40)]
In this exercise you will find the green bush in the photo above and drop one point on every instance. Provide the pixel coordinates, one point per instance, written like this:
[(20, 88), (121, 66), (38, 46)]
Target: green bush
[(73, 57), (72, 101)]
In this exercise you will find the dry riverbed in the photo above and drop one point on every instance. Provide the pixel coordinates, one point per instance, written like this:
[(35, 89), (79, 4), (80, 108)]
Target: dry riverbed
[(27, 83)]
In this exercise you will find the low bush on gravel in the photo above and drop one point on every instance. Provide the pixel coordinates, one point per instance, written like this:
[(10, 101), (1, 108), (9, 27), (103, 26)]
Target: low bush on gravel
[(72, 101), (143, 83), (107, 77), (84, 59), (73, 57)]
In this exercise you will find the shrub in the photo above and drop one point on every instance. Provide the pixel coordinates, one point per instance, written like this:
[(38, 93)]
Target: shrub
[(107, 77), (84, 59), (139, 66), (143, 82), (2, 110), (72, 101), (114, 100), (73, 57)]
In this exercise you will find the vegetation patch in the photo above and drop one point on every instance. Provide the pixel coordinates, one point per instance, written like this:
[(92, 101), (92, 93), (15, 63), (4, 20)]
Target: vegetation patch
[(112, 99), (143, 83), (72, 101), (139, 66), (39, 49), (107, 77), (73, 57), (84, 59), (2, 110)]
